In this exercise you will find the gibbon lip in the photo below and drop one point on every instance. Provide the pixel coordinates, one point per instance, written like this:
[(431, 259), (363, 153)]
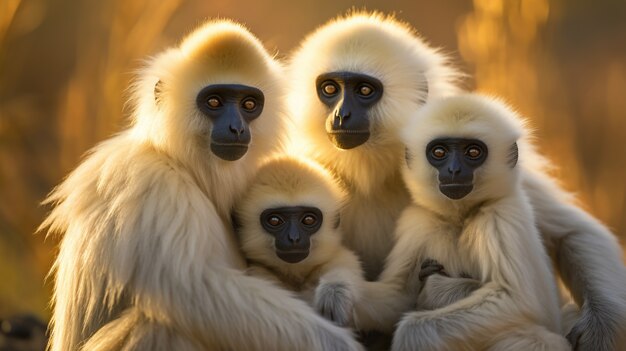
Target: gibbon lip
[(294, 256), (348, 131), (229, 151), (229, 144), (348, 139), (456, 191)]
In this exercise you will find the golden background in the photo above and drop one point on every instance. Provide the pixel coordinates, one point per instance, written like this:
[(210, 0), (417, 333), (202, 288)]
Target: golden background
[(65, 65)]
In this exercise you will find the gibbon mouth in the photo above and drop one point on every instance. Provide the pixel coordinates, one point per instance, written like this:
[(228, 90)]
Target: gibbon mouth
[(456, 191), (229, 151), (348, 139), (294, 256)]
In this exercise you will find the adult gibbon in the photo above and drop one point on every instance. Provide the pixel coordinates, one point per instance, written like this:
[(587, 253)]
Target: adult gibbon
[(148, 259), (353, 83)]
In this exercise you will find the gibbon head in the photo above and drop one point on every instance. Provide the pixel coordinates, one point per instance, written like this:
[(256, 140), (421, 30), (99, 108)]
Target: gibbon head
[(462, 148), (217, 95), (289, 214), (356, 78)]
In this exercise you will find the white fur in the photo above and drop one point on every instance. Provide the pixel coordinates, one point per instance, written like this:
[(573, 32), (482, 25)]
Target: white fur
[(148, 259), (330, 277), (587, 257), (489, 234), (411, 72)]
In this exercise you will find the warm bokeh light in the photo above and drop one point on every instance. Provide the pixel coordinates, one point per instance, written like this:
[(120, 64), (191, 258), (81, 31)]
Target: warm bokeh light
[(65, 65)]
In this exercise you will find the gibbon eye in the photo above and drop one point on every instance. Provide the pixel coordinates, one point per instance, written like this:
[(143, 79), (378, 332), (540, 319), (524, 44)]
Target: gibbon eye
[(365, 90), (309, 220), (329, 88), (439, 152), (249, 104), (274, 221), (213, 102), (473, 152)]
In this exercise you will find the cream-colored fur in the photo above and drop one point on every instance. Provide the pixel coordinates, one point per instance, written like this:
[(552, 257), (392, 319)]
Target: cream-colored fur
[(330, 278), (489, 234), (411, 72), (148, 260)]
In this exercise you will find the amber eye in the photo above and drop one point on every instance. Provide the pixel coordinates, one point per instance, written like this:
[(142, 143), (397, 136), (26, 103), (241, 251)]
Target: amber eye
[(473, 152), (309, 220), (439, 152), (274, 221), (249, 104), (365, 90), (214, 102), (329, 88)]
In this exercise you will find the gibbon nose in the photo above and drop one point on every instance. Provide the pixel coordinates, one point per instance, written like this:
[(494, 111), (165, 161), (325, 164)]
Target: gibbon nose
[(454, 168), (237, 129), (294, 234), (341, 115), (294, 237)]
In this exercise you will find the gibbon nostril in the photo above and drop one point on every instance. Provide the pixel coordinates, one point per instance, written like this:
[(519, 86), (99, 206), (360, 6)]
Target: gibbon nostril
[(236, 130)]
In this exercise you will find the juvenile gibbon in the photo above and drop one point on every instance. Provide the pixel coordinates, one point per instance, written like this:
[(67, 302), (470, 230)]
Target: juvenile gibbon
[(470, 217), (288, 227), (354, 83), (148, 259)]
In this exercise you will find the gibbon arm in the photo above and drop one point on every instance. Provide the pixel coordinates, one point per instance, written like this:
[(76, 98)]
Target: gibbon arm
[(589, 260), (384, 301), (440, 291), (339, 288)]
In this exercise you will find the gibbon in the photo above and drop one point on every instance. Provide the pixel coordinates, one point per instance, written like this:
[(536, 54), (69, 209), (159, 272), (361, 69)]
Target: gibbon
[(354, 83), (287, 224), (148, 258), (471, 217)]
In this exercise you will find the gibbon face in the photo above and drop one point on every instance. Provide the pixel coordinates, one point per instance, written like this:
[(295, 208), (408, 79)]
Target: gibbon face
[(231, 108), (289, 214), (208, 94), (349, 96), (462, 148), (456, 159), (292, 228)]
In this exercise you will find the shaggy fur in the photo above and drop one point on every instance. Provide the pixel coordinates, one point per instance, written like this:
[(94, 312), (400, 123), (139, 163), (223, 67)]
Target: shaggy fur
[(330, 278), (411, 72), (148, 260), (489, 234)]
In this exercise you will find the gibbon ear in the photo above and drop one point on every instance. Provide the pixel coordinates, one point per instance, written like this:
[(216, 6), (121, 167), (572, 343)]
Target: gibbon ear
[(408, 157), (337, 221), (424, 88), (513, 155), (235, 222), (158, 91)]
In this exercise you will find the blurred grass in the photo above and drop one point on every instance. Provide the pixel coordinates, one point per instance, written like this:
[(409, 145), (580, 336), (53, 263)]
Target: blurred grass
[(65, 64)]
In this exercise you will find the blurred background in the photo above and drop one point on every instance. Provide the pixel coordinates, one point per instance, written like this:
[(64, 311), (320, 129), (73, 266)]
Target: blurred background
[(65, 65)]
